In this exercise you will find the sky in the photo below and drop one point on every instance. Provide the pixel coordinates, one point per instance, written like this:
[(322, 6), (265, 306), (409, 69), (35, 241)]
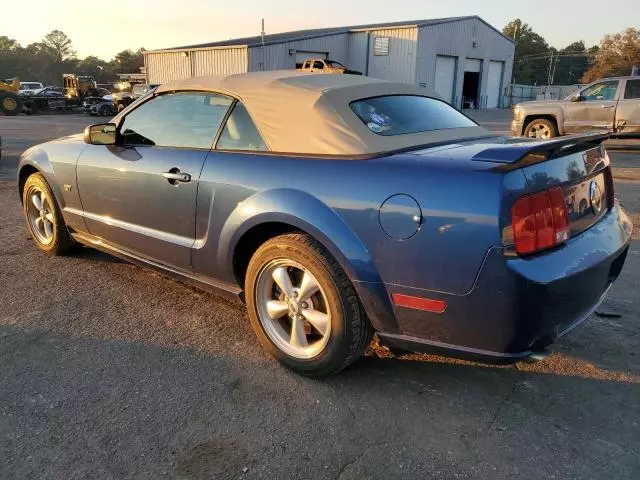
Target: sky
[(153, 24)]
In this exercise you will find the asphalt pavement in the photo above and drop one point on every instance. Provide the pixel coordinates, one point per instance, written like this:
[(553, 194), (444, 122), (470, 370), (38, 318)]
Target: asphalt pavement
[(112, 371)]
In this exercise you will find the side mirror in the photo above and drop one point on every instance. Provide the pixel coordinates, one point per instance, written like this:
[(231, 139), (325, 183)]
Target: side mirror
[(100, 134), (576, 98)]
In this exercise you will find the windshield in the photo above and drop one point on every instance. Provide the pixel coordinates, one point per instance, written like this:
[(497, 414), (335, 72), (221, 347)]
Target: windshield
[(30, 86), (403, 114)]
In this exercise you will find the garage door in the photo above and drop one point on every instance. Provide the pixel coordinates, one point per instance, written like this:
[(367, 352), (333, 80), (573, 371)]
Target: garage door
[(302, 56), (494, 79), (472, 65), (445, 77)]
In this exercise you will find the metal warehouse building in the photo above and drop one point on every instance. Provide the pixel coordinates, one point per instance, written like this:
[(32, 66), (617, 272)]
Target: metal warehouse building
[(464, 59)]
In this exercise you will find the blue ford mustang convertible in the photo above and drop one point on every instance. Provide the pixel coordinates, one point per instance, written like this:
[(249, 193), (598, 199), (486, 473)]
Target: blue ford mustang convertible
[(337, 206)]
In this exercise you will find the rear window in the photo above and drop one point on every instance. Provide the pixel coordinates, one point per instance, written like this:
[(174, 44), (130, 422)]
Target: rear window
[(403, 114)]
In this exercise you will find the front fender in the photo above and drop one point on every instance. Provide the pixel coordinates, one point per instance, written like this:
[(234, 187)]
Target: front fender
[(555, 112), (38, 159), (307, 213)]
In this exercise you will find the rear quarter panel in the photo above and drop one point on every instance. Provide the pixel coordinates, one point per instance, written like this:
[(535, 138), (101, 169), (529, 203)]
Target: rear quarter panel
[(460, 205)]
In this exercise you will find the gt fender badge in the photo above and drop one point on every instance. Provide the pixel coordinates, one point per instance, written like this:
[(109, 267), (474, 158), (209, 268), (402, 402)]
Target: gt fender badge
[(67, 188)]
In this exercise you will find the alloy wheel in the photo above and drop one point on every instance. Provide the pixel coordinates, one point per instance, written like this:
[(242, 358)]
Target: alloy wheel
[(293, 309), (540, 131), (40, 213)]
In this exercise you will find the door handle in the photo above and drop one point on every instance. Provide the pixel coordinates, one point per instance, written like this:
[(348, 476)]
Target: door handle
[(175, 175), (606, 106)]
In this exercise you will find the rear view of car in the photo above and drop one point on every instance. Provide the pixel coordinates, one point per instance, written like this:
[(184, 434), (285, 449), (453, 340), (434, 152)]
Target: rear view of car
[(563, 239)]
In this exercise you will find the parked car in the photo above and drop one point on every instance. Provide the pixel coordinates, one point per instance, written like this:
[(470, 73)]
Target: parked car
[(610, 104), (28, 88), (43, 98), (103, 108), (338, 205), (320, 65)]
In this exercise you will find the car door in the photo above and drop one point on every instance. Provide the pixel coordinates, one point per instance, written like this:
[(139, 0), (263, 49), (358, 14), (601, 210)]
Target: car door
[(628, 110), (140, 194), (595, 108)]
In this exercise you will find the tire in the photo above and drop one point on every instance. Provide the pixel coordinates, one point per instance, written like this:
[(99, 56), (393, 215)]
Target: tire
[(541, 128), (104, 111), (347, 332), (59, 242), (10, 103)]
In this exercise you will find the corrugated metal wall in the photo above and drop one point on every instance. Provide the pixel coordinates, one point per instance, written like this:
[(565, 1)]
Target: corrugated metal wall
[(400, 64), (357, 51), (165, 66), (456, 39), (276, 57)]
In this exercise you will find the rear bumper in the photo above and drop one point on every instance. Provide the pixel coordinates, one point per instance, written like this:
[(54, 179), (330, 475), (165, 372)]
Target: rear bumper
[(518, 306)]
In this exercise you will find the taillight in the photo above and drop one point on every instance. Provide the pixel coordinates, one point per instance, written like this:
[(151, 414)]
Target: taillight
[(540, 221)]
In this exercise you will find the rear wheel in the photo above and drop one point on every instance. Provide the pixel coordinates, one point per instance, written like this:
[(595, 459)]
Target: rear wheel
[(303, 307), (44, 218), (541, 128), (10, 103)]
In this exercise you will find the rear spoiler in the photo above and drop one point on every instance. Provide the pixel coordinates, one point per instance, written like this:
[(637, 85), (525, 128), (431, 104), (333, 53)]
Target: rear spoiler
[(516, 149)]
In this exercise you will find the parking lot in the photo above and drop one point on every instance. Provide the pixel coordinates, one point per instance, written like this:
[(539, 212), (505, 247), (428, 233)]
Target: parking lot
[(111, 371)]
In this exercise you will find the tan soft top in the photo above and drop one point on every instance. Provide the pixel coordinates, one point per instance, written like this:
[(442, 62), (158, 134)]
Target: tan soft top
[(309, 113)]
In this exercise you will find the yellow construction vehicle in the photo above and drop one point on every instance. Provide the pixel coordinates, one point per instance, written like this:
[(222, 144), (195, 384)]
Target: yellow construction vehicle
[(10, 101)]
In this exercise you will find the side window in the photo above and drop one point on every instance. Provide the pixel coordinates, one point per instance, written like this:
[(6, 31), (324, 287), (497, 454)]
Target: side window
[(240, 133), (318, 64), (600, 91), (183, 120), (632, 90)]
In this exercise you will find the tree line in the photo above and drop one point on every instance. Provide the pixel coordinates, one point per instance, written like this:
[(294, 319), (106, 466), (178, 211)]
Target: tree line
[(538, 63), (45, 61), (535, 63)]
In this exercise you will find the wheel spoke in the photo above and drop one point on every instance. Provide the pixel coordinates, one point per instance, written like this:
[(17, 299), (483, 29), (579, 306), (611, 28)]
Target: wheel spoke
[(43, 200), (48, 229), (308, 286), (276, 308), (298, 337), (49, 216), (38, 223), (35, 199), (318, 319), (282, 279)]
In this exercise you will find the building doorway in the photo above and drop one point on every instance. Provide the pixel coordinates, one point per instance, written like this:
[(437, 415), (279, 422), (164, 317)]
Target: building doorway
[(470, 90)]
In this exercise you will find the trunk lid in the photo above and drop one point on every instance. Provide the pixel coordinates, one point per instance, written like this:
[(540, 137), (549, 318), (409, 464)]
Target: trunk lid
[(578, 164)]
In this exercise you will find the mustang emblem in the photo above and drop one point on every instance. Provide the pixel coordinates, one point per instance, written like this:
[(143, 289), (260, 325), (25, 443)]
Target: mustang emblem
[(595, 198)]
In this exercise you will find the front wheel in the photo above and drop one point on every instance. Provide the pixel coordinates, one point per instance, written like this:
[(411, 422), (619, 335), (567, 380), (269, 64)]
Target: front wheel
[(44, 218), (303, 307), (10, 103), (541, 128)]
